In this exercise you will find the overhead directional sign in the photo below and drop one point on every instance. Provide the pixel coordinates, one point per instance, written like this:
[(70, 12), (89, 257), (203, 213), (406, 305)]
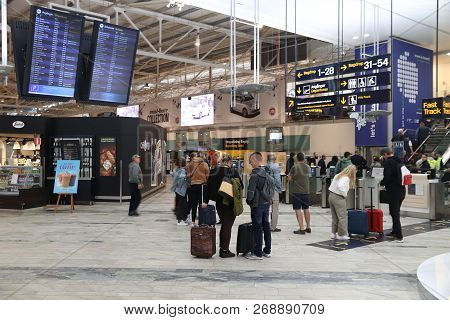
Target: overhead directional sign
[(366, 81), (364, 98), (315, 103), (290, 104), (373, 63), (352, 66), (315, 87)]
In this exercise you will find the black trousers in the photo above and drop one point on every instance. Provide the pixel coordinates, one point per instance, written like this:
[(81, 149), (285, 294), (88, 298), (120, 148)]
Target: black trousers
[(181, 207), (396, 198), (227, 216), (135, 197), (194, 200)]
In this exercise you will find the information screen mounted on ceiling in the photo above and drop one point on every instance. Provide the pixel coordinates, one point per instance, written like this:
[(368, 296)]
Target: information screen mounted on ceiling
[(128, 112), (197, 110), (52, 53), (112, 55)]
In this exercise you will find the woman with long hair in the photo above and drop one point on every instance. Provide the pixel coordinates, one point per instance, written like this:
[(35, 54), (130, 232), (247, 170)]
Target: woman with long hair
[(225, 209), (341, 184), (180, 187)]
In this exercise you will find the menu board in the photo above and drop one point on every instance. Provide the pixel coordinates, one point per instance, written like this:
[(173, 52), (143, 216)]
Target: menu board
[(71, 149), (113, 61), (53, 53), (108, 157)]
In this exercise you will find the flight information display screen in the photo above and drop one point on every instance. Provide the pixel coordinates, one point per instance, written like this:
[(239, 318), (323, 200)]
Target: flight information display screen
[(113, 55), (53, 53)]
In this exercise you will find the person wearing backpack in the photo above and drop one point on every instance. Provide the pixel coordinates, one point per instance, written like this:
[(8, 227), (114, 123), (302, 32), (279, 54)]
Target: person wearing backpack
[(261, 189), (275, 171), (393, 181), (224, 206), (299, 175)]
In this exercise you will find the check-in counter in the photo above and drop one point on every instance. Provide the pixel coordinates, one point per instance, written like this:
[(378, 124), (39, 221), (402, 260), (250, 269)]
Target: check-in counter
[(426, 199)]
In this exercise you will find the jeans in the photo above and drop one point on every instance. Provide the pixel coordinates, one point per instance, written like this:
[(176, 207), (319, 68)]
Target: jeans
[(194, 199), (261, 224), (227, 216), (135, 197), (396, 198)]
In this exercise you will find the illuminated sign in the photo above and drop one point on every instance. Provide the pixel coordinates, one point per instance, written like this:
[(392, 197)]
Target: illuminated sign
[(433, 108), (315, 103), (364, 98), (352, 66)]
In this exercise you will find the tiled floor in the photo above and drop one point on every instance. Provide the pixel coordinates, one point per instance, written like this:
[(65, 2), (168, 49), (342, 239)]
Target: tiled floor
[(101, 253)]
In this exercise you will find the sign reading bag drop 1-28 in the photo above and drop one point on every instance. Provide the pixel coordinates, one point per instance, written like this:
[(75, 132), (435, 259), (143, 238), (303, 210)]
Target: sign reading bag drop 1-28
[(66, 177)]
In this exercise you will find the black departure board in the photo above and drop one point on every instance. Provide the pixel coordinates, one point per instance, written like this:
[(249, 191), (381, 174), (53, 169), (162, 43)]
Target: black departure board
[(113, 55), (53, 53)]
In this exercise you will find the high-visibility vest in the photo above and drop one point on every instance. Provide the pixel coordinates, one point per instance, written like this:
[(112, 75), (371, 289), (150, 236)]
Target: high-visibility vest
[(432, 163)]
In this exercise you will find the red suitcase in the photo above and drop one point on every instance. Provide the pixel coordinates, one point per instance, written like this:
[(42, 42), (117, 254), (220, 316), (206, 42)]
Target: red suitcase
[(375, 217), (375, 220)]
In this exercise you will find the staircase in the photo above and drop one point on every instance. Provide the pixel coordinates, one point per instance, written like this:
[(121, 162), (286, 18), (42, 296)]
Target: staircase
[(438, 141)]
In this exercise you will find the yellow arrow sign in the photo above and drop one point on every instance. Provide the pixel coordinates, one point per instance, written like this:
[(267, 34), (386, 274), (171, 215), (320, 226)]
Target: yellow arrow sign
[(343, 101), (299, 74), (291, 103), (344, 67), (344, 83), (299, 90)]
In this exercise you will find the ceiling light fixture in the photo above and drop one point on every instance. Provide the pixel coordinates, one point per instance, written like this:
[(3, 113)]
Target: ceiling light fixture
[(366, 35), (197, 41), (175, 3), (448, 53), (355, 37)]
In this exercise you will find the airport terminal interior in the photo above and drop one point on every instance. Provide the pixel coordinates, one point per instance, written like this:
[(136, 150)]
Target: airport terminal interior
[(240, 149)]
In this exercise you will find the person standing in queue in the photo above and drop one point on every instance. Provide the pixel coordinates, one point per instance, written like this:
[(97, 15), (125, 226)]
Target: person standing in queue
[(259, 209), (341, 184), (197, 174), (275, 171), (344, 162), (392, 180), (299, 175), (322, 165), (290, 162), (225, 209), (136, 181), (180, 187)]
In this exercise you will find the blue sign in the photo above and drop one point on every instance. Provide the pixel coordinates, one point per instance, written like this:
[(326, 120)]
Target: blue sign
[(368, 133), (412, 82), (66, 177)]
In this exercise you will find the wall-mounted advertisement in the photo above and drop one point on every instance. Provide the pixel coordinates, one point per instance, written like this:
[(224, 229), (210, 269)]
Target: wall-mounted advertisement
[(108, 157), (197, 110), (128, 112), (246, 106), (66, 177)]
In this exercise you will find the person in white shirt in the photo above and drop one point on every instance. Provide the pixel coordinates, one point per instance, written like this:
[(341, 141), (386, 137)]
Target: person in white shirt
[(339, 188)]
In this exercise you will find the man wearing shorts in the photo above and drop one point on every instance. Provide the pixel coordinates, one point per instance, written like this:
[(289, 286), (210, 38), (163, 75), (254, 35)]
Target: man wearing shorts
[(299, 175)]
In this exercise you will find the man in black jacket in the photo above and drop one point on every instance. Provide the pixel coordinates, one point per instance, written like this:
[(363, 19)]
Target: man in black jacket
[(392, 180), (259, 209)]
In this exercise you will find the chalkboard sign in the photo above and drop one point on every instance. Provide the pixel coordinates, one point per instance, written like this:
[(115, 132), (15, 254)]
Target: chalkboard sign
[(71, 150)]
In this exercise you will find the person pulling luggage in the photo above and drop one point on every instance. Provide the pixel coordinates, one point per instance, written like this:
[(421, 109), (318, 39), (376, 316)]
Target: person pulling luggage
[(341, 184)]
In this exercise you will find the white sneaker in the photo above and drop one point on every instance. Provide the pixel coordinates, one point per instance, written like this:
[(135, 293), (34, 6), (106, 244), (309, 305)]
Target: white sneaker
[(251, 256), (267, 255), (333, 236), (182, 223), (399, 240), (346, 237)]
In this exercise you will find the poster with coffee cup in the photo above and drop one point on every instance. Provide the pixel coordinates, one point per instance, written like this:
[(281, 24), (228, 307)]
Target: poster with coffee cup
[(107, 157), (66, 177)]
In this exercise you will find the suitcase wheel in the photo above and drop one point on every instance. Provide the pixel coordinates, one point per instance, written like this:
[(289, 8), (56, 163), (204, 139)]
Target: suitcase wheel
[(381, 233)]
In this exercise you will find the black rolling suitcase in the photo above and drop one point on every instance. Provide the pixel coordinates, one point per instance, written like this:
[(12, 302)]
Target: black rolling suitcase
[(245, 239)]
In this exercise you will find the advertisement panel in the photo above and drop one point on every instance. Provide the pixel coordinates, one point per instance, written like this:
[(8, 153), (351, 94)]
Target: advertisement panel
[(66, 177), (197, 110), (107, 157), (412, 83)]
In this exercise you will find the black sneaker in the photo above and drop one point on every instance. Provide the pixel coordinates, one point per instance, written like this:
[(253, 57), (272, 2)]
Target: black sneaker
[(133, 214), (390, 234), (226, 254), (276, 230), (308, 230), (300, 232)]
